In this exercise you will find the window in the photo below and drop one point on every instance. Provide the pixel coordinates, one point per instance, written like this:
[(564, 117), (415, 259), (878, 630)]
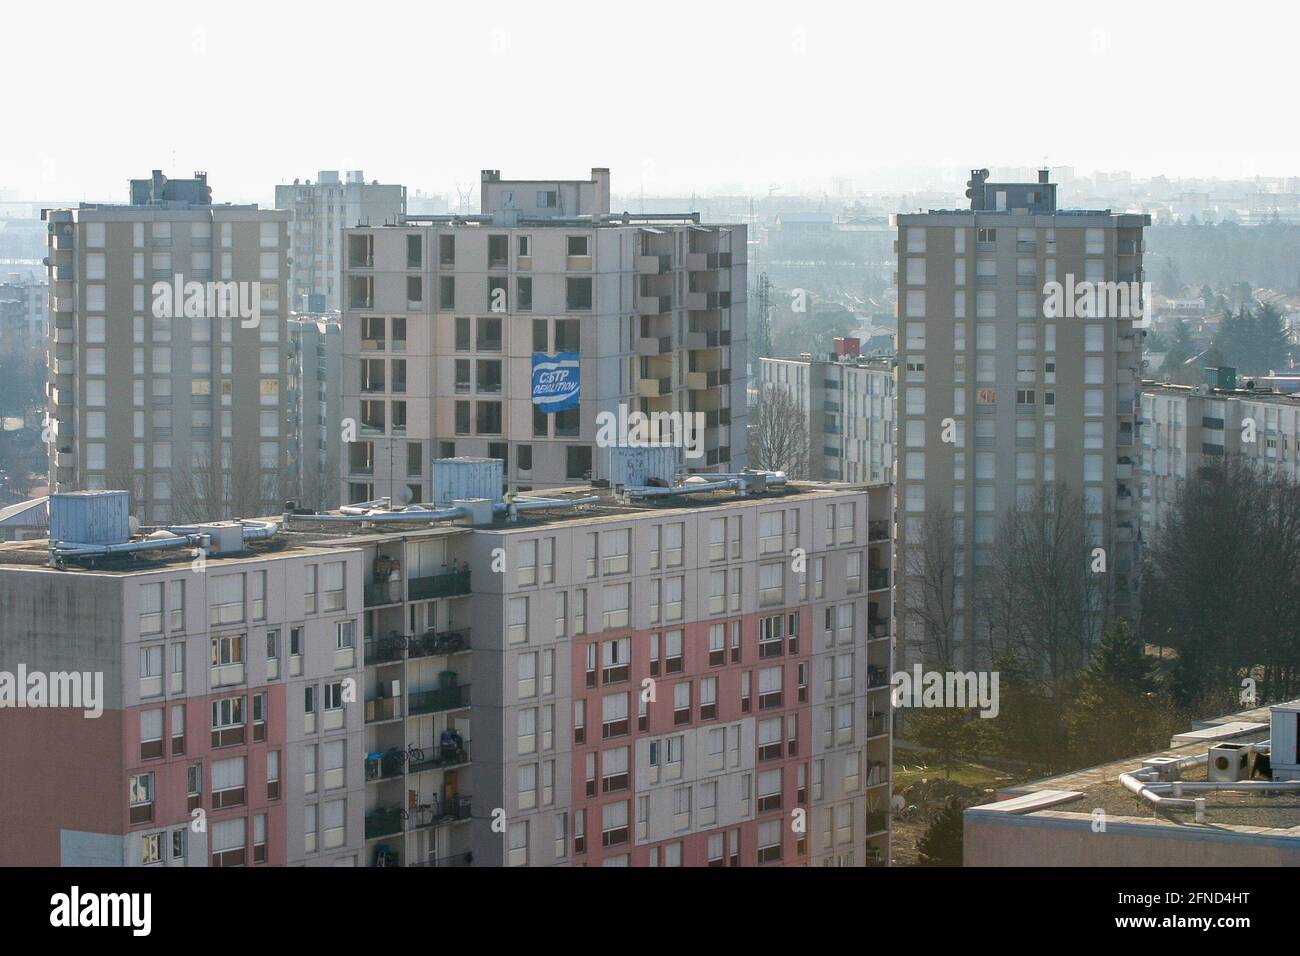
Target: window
[(578, 294), (227, 601)]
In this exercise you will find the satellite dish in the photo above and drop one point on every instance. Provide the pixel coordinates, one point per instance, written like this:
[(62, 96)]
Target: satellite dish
[(405, 496)]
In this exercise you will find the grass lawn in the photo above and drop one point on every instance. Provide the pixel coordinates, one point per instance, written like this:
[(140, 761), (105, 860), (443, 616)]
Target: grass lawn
[(909, 767)]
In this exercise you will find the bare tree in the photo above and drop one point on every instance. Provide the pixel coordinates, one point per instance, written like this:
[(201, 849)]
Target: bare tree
[(203, 493), (1044, 598), (930, 585), (778, 432)]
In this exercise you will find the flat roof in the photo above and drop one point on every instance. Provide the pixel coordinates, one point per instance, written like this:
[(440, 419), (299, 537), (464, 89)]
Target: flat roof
[(1099, 788), (303, 536)]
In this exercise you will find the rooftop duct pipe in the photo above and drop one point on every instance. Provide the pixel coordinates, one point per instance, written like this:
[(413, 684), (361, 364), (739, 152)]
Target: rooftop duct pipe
[(1145, 783), (735, 484), (355, 515), (62, 550)]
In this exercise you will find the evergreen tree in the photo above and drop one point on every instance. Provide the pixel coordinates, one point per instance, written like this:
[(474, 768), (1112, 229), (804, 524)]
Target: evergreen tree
[(941, 845)]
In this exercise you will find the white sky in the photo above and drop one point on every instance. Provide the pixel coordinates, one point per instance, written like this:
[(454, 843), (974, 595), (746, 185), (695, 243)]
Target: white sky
[(795, 94)]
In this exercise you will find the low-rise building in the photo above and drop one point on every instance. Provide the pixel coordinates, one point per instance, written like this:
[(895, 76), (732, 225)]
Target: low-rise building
[(1226, 793)]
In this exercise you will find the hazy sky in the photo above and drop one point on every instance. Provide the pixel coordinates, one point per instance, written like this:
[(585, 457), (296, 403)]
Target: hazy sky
[(674, 97)]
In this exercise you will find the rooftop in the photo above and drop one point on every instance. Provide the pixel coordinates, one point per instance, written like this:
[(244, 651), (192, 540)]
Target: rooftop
[(304, 532), (1082, 792)]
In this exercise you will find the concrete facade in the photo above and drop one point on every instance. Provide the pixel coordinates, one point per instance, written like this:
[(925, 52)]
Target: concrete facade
[(444, 314), (187, 411), (1033, 400), (849, 407), (321, 211)]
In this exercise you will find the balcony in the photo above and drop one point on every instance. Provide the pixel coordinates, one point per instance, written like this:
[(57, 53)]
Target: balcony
[(877, 579), (438, 644), (454, 697), (385, 766), (450, 755), (651, 347), (1026, 246), (877, 629), (384, 650), (653, 265), (703, 261), (381, 593), (714, 378), (708, 340), (379, 709), (876, 677), (1124, 470), (458, 859), (385, 822), (705, 301), (878, 531), (438, 814), (448, 584), (654, 304), (877, 725), (1026, 281), (654, 387)]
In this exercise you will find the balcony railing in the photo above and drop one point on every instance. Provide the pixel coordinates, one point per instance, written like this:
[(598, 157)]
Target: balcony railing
[(384, 822), (379, 593), (384, 650), (442, 812), (878, 531), (877, 579), (458, 859), (452, 755), (436, 644), (877, 725), (449, 584), (444, 698)]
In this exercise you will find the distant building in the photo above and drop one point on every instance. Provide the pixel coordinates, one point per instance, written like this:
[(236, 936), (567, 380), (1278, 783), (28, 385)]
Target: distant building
[(167, 351), (321, 211), (26, 309), (847, 402), (316, 399), (1184, 427)]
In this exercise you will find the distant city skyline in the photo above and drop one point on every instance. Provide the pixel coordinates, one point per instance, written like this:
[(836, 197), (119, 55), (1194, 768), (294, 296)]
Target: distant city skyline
[(472, 92)]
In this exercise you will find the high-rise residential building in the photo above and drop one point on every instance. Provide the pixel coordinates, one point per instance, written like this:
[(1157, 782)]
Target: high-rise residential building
[(644, 677), (316, 417), (448, 317), (1185, 427), (847, 404), (321, 211), (1005, 387), (167, 351), (1225, 793)]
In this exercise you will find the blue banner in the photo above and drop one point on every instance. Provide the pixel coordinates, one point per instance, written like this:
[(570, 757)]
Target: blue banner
[(556, 381)]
